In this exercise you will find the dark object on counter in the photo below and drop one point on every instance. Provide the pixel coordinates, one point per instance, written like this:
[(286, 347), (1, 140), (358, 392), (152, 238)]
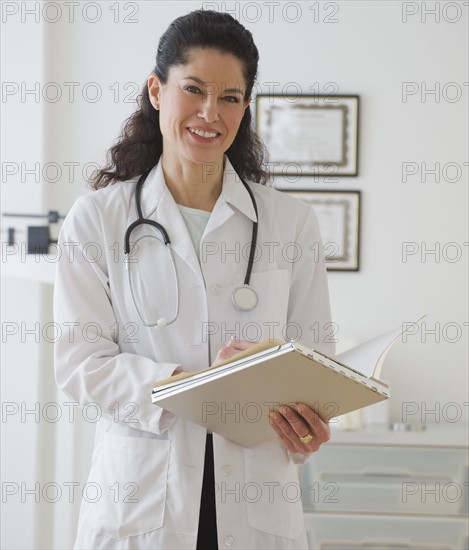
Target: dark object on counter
[(38, 239)]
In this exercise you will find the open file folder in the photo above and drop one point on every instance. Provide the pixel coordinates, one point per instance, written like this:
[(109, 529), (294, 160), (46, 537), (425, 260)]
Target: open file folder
[(234, 398)]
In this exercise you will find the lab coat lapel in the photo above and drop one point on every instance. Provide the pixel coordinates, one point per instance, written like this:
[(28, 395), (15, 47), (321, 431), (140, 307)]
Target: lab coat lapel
[(233, 197)]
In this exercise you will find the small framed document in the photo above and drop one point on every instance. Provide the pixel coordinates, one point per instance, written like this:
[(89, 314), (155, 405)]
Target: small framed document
[(338, 214), (310, 134)]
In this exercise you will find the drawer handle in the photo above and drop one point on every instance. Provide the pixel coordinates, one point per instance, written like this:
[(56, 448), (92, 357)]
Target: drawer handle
[(388, 543), (370, 476), (331, 476), (387, 473)]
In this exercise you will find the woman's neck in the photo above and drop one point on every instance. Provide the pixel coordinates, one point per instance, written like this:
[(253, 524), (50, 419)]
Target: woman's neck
[(193, 184)]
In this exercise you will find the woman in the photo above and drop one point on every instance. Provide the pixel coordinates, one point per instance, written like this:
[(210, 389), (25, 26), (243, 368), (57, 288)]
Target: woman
[(165, 483)]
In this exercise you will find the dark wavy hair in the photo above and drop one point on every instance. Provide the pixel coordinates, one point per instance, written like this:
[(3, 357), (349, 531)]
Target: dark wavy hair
[(140, 144)]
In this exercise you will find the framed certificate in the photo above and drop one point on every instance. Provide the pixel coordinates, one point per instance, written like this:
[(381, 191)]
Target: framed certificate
[(310, 134), (338, 214)]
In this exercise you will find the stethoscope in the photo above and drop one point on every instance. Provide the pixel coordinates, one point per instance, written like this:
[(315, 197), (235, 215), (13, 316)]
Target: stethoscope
[(244, 298)]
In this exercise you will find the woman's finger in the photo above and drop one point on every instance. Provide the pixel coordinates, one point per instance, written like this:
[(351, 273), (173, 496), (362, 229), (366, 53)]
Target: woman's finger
[(240, 345), (232, 348), (285, 440), (303, 428), (291, 427), (321, 429)]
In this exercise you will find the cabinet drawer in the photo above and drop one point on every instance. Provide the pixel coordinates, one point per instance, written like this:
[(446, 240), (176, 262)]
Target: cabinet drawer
[(387, 479), (355, 531)]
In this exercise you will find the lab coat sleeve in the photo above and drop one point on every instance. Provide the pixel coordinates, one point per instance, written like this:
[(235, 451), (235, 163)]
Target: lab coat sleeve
[(309, 305), (89, 365)]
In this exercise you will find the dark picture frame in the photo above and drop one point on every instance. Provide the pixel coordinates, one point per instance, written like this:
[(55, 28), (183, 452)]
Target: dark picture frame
[(309, 135), (338, 214)]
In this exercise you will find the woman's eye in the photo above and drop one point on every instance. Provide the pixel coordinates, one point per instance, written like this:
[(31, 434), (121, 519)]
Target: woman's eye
[(228, 98)]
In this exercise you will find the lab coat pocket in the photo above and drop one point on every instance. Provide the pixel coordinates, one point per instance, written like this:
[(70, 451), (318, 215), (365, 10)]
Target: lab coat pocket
[(273, 492), (129, 474)]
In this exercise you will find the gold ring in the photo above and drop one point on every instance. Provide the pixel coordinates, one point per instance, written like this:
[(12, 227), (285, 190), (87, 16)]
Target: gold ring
[(306, 438)]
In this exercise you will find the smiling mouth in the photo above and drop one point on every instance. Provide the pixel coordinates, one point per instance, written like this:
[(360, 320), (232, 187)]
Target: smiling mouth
[(201, 133)]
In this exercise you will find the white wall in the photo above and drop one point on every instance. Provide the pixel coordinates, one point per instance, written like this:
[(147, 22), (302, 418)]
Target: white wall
[(369, 51)]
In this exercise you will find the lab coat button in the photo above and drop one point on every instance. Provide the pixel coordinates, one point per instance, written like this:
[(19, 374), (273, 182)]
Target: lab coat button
[(217, 289), (229, 540), (227, 469)]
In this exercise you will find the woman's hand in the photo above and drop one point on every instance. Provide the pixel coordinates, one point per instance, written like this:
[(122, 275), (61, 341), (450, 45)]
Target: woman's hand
[(301, 430), (232, 348)]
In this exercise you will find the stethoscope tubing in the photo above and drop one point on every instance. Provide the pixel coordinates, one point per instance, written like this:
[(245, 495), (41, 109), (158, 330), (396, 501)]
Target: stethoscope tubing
[(247, 297)]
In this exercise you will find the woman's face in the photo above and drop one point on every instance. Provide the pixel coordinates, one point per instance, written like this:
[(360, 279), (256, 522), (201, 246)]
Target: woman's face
[(201, 106)]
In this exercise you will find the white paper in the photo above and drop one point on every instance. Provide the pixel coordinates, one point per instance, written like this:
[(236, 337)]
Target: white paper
[(368, 358)]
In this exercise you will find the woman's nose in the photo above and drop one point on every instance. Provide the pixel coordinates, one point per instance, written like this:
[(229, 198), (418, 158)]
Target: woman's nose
[(208, 109)]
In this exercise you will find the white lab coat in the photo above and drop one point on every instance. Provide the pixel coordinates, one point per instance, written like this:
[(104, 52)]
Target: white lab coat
[(147, 462)]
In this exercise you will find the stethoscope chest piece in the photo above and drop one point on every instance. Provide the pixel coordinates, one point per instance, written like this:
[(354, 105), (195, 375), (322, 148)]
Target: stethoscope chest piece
[(244, 298)]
